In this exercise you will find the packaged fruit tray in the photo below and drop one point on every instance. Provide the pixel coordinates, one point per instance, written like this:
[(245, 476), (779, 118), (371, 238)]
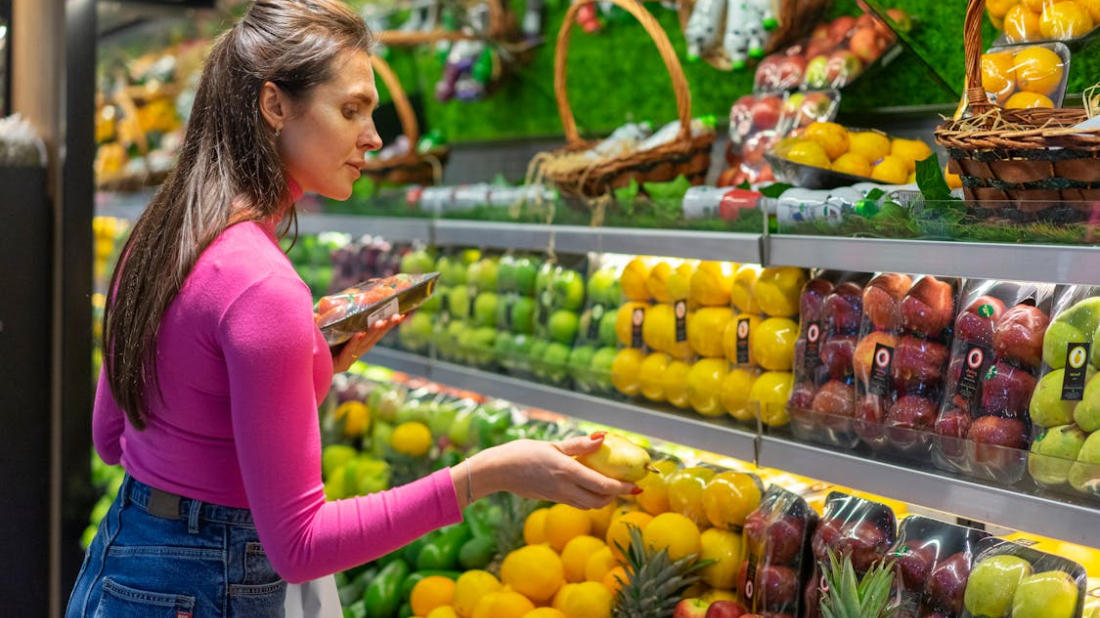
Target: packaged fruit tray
[(355, 309), (827, 155), (1073, 22), (1015, 581)]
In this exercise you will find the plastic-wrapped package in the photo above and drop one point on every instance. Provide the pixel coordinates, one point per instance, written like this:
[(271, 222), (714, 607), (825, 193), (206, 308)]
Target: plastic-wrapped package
[(1071, 21), (595, 346), (932, 560), (1025, 76), (1065, 407), (777, 557), (354, 310), (982, 425), (559, 300), (515, 310), (852, 526), (1011, 580)]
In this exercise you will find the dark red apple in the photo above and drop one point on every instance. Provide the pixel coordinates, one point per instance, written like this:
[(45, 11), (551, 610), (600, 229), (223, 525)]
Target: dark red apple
[(989, 307), (756, 530), (785, 535), (690, 608), (802, 396), (812, 302), (915, 562), (825, 537), (912, 412), (947, 583), (790, 71), (928, 307), (865, 542), (844, 308), (881, 298), (953, 425), (726, 609), (870, 420), (836, 355), (1018, 335), (834, 404), (998, 442), (974, 329), (917, 362), (777, 586), (765, 113), (1006, 390)]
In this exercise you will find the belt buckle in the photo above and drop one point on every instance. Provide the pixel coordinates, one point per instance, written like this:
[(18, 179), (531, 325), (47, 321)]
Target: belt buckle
[(163, 504)]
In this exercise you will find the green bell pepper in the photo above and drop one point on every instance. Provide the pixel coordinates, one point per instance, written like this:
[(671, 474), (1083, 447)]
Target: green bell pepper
[(441, 553), (383, 595)]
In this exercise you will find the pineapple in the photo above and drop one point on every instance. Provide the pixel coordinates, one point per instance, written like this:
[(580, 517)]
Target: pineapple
[(655, 582), (848, 597), (514, 511)]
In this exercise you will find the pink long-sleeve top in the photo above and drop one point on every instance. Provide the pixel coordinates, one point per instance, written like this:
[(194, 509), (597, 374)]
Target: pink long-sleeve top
[(242, 369)]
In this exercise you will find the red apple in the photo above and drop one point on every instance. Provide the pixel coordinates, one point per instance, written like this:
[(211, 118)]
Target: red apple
[(1007, 391), (989, 307), (865, 542), (826, 537), (768, 71), (917, 362), (915, 563), (836, 355), (765, 113), (912, 412), (755, 530), (972, 328), (928, 307), (901, 19), (953, 423), (840, 27), (1018, 335), (820, 33), (785, 537), (947, 583), (881, 300), (835, 398), (812, 302), (843, 67), (998, 442), (870, 420), (726, 609), (741, 116), (844, 308), (863, 358), (866, 44), (818, 48), (816, 106), (790, 71), (777, 586), (690, 608), (802, 396)]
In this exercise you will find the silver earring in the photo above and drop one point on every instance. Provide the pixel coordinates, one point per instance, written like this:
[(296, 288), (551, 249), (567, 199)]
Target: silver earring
[(277, 131)]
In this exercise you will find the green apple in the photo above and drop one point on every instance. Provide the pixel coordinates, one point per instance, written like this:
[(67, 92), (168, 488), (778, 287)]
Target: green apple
[(526, 273), (545, 277), (441, 420), (468, 256), (607, 326), (459, 431), (485, 309), (1050, 594), (557, 361), (1047, 408), (1057, 339), (458, 302), (416, 332), (1087, 413), (446, 267), (992, 585), (603, 287), (417, 262), (569, 290), (385, 402), (580, 361), (506, 274), (1084, 476), (1053, 454), (484, 274), (537, 356), (434, 302), (523, 315), (521, 351), (334, 456), (483, 340), (1084, 314), (502, 347), (563, 326), (601, 366)]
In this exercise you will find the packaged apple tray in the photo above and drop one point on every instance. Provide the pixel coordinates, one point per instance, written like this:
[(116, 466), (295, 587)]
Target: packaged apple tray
[(353, 310)]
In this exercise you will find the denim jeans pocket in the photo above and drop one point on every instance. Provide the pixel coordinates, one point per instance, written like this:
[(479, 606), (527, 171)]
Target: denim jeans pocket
[(257, 567), (263, 600), (120, 601)]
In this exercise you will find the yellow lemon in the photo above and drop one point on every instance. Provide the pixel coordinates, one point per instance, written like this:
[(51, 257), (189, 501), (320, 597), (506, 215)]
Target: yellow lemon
[(1039, 70), (356, 417), (470, 587), (676, 384), (679, 282), (711, 283), (1028, 100), (576, 554), (544, 612), (534, 571), (998, 8), (711, 595), (891, 170), (587, 600), (778, 288), (1064, 20), (999, 74), (910, 151), (770, 393), (673, 532), (534, 527), (432, 592), (504, 604), (706, 328), (601, 519), (954, 181), (599, 564), (563, 523), (773, 344), (1021, 25), (633, 280), (741, 291), (807, 153), (685, 493), (724, 548), (411, 438), (737, 339), (729, 497), (615, 579), (559, 598), (1093, 7), (704, 385), (443, 612), (832, 137), (651, 376), (659, 329), (618, 535), (735, 394), (654, 496), (624, 370), (870, 145), (657, 282), (852, 163)]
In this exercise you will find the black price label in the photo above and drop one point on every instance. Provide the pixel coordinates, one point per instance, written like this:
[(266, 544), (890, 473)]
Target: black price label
[(743, 334), (471, 291), (509, 305), (681, 310), (813, 346), (975, 367), (636, 320), (750, 581), (1077, 364), (879, 384), (445, 306)]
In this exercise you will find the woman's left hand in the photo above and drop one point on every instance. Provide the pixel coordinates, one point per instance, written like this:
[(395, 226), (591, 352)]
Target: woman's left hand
[(361, 343)]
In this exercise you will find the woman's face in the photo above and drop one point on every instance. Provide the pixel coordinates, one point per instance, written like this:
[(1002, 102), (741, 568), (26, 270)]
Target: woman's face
[(324, 140)]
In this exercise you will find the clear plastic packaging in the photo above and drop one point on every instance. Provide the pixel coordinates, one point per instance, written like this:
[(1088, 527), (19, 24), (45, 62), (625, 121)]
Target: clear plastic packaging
[(1072, 22), (777, 557), (355, 309), (1065, 408), (1014, 581), (932, 560), (982, 425), (596, 343), (852, 526), (1025, 76)]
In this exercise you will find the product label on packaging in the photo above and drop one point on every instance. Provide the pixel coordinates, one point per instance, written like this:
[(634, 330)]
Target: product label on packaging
[(813, 346), (384, 312), (594, 317), (743, 333), (636, 321), (546, 300), (509, 304), (471, 291), (750, 581), (879, 383), (1077, 364), (974, 369), (681, 310)]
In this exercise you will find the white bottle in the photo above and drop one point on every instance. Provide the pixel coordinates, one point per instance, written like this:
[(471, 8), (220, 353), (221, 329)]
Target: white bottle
[(703, 26)]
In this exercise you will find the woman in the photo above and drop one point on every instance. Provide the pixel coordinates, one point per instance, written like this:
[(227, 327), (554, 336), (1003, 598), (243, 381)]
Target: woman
[(215, 368)]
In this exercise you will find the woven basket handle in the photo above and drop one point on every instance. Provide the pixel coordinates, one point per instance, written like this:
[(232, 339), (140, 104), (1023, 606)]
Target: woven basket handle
[(972, 50), (655, 31), (404, 109)]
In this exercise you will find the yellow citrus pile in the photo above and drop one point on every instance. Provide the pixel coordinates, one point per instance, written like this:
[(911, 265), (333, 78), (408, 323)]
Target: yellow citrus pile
[(1030, 77), (867, 154), (1028, 21)]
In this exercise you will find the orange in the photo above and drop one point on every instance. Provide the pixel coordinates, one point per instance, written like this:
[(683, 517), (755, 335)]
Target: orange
[(999, 74), (1039, 70), (587, 600), (470, 587), (504, 604), (870, 145), (534, 571), (998, 8), (808, 153), (891, 170), (544, 612), (910, 151), (1064, 20), (432, 592), (576, 554), (724, 548), (673, 532), (618, 534), (654, 496), (1093, 7), (685, 493), (599, 564), (601, 519), (563, 523), (1022, 25), (852, 163), (954, 181), (1028, 100), (534, 527), (615, 579), (832, 137)]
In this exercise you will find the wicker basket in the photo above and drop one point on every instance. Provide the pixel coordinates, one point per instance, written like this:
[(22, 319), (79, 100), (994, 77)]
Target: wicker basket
[(1027, 160), (419, 168), (687, 155), (796, 19)]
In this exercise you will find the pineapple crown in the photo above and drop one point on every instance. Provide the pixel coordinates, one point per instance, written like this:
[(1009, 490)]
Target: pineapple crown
[(654, 581), (847, 596)]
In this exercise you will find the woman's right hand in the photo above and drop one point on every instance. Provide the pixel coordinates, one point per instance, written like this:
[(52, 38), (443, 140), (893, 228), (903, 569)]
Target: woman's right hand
[(541, 470)]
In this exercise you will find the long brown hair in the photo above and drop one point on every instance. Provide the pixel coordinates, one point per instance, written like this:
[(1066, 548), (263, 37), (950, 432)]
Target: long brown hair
[(228, 171)]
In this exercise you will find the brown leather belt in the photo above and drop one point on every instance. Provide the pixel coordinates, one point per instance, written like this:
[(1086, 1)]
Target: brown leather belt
[(164, 504)]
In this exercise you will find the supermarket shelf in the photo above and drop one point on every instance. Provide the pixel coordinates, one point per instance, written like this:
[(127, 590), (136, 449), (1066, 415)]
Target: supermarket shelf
[(393, 229), (681, 428), (1050, 263), (937, 490)]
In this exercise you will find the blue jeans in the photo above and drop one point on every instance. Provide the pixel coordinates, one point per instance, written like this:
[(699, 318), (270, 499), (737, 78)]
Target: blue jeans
[(180, 558)]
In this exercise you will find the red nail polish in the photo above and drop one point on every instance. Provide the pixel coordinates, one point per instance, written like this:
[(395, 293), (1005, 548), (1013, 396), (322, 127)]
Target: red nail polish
[(636, 491), (598, 435)]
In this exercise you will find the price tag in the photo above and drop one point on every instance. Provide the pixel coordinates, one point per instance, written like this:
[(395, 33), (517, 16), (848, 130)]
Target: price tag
[(1077, 364), (385, 312), (681, 310), (974, 370), (813, 345), (879, 384), (636, 320), (743, 334)]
